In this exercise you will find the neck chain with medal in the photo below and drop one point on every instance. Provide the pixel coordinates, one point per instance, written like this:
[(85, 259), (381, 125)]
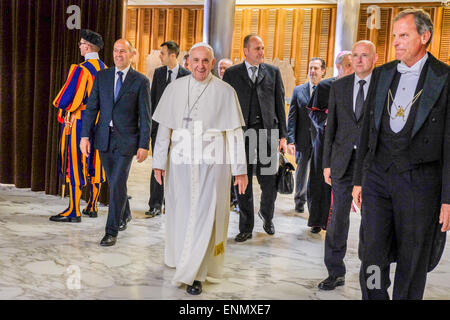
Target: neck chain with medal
[(401, 111), (188, 118)]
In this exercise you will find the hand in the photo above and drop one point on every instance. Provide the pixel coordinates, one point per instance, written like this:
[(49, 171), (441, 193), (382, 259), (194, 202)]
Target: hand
[(291, 149), (444, 218), (85, 146), (241, 181), (159, 174), (327, 175), (142, 154), (357, 196), (283, 145)]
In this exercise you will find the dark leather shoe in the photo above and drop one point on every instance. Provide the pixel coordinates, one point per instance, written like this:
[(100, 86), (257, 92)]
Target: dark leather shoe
[(90, 214), (267, 225), (300, 209), (153, 212), (123, 224), (108, 240), (195, 289), (316, 229), (60, 218), (331, 282), (243, 236)]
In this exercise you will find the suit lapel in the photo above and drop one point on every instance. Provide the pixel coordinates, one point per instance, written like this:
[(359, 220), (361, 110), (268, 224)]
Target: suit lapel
[(305, 93), (244, 74), (434, 82), (129, 79), (348, 98), (384, 83), (261, 73)]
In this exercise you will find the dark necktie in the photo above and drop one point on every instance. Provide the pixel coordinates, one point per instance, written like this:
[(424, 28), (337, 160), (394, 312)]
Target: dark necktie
[(118, 84), (169, 78), (359, 100), (313, 88)]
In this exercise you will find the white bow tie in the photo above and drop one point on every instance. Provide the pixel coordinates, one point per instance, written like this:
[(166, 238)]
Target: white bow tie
[(404, 69)]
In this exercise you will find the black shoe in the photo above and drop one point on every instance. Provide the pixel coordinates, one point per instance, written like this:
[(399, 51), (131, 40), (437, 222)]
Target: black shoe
[(300, 209), (316, 229), (129, 197), (60, 218), (108, 240), (243, 236), (123, 224), (267, 225), (195, 289), (90, 214), (153, 212), (331, 282)]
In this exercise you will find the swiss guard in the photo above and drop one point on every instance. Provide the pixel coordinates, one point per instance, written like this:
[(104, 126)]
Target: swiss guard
[(73, 166)]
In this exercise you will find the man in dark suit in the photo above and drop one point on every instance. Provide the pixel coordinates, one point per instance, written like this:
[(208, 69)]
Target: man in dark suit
[(170, 71), (405, 155), (260, 92), (120, 98), (318, 193), (342, 135), (300, 129)]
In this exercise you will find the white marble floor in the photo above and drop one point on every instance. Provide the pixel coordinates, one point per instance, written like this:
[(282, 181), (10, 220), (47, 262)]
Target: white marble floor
[(44, 260)]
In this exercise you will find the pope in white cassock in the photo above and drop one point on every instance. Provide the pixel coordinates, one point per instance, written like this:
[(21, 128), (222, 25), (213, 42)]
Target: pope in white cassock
[(198, 147)]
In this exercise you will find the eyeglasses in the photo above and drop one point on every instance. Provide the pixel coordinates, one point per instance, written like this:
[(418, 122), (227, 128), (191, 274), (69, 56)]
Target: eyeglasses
[(81, 43)]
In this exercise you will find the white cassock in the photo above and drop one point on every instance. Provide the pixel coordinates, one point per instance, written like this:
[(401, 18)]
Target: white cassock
[(200, 145)]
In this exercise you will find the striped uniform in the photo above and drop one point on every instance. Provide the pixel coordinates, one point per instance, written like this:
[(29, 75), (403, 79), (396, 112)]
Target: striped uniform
[(71, 102)]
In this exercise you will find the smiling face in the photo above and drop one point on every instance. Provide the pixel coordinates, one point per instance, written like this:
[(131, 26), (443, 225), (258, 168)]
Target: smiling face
[(364, 58), (122, 54), (201, 63), (315, 71), (409, 45)]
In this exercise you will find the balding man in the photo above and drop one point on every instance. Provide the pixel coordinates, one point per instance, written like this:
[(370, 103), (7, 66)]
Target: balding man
[(342, 135), (261, 96), (121, 99), (403, 165)]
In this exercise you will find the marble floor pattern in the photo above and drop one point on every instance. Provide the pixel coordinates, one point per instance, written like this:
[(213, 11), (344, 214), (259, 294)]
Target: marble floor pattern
[(40, 259)]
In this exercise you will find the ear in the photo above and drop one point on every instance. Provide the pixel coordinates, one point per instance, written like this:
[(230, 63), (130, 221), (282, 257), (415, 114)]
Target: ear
[(425, 37)]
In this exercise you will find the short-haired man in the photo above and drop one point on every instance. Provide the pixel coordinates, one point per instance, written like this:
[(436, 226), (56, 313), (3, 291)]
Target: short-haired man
[(169, 72), (261, 96), (120, 100), (300, 129), (318, 192), (342, 135), (223, 65), (403, 164)]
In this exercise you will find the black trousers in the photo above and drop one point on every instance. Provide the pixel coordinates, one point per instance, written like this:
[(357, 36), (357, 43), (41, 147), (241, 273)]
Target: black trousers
[(337, 230), (267, 183), (400, 212), (156, 189), (303, 159), (117, 167)]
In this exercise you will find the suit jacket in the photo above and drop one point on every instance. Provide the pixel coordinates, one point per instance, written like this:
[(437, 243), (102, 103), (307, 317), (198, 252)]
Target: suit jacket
[(343, 131), (299, 124), (130, 113), (270, 91), (430, 137), (159, 84)]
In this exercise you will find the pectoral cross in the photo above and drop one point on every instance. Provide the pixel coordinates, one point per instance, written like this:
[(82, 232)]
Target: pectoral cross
[(188, 119), (400, 112)]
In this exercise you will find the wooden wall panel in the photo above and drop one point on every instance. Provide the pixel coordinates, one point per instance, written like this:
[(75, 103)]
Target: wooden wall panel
[(149, 26), (292, 34), (382, 38)]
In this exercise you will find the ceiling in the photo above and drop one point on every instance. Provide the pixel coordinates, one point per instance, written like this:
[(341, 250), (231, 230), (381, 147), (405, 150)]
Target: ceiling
[(260, 2)]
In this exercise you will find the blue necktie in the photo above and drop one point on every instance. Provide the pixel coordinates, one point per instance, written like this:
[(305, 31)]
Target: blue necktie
[(118, 84)]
